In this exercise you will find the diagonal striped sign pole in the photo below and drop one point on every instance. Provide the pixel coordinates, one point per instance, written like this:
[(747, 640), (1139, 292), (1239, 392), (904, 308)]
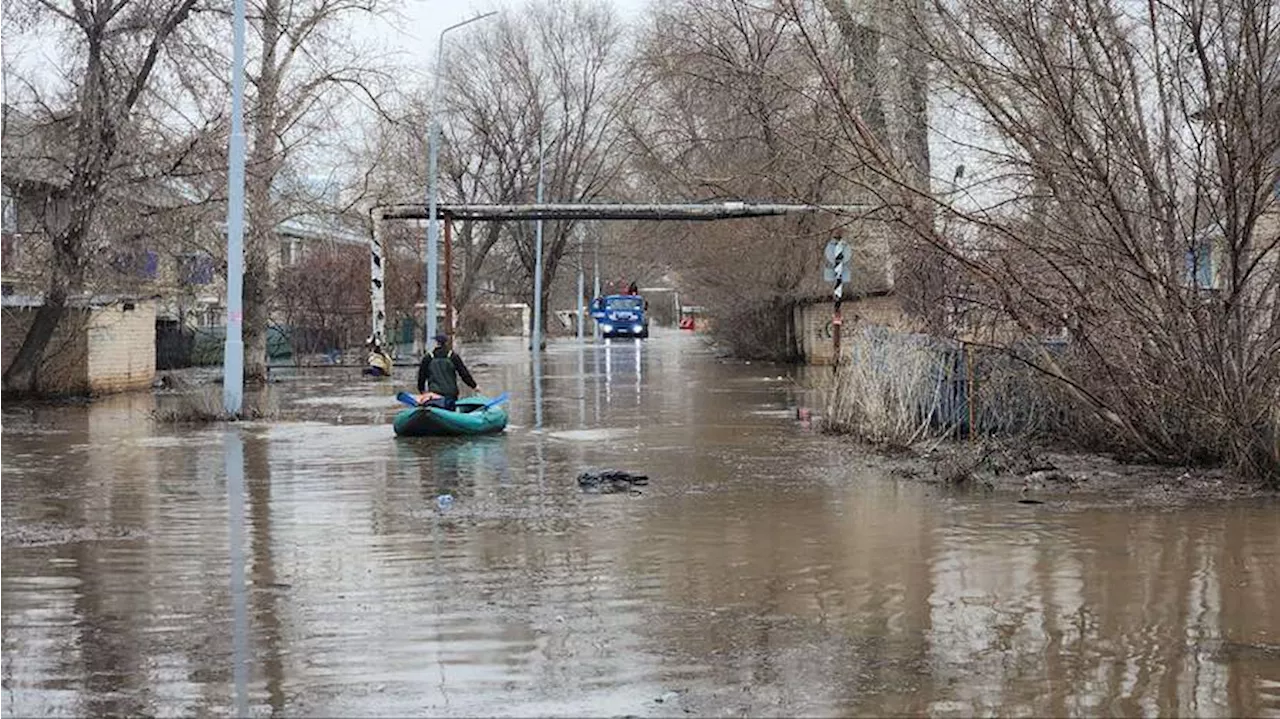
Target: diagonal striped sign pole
[(837, 254)]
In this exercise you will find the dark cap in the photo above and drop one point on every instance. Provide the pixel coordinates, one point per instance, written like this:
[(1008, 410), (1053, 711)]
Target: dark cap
[(441, 338)]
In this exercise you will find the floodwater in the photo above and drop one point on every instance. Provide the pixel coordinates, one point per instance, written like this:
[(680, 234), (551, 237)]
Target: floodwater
[(765, 570)]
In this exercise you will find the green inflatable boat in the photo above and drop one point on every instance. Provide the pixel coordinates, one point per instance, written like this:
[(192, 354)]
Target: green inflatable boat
[(469, 418)]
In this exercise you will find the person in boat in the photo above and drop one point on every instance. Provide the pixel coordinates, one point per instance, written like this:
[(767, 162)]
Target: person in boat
[(378, 363), (438, 376)]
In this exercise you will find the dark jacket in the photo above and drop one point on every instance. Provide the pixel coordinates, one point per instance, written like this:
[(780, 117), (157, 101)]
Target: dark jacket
[(439, 373)]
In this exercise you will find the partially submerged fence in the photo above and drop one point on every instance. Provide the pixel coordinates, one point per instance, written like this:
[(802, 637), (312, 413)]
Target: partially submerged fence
[(896, 387)]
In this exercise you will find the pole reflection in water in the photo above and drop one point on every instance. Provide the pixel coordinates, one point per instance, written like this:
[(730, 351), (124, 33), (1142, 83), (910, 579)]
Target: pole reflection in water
[(234, 454), (638, 349), (439, 590), (596, 359), (608, 372), (537, 390), (582, 385)]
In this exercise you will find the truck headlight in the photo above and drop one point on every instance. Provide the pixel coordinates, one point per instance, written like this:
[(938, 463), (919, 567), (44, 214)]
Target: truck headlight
[(606, 327), (637, 328)]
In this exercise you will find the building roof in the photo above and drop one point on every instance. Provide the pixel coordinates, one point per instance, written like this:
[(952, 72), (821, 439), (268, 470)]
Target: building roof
[(35, 151), (101, 300)]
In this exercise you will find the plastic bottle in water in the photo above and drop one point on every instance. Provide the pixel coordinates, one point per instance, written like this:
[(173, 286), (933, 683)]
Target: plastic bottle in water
[(444, 501)]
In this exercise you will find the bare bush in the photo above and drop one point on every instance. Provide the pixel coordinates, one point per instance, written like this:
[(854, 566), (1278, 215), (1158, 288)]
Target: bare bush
[(323, 301), (205, 405), (889, 391), (1139, 147), (733, 110), (479, 322)]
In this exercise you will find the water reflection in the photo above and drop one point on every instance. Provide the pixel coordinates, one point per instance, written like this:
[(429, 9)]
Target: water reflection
[(239, 608), (765, 570), (582, 386), (537, 390)]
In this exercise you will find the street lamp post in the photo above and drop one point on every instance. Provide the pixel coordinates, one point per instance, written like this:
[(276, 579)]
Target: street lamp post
[(433, 191), (582, 286), (537, 263), (233, 351), (595, 290)]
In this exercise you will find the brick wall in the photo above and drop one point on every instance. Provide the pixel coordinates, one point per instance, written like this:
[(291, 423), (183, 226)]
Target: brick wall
[(94, 351), (813, 323), (122, 347), (64, 367)]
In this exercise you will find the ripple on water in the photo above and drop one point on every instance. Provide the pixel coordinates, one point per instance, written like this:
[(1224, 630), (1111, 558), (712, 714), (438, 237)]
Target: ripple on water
[(593, 435)]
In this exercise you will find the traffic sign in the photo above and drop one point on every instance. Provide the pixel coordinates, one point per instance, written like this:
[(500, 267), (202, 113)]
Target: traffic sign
[(837, 256), (836, 249)]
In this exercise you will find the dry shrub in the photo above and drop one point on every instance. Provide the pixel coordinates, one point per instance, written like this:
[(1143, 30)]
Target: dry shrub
[(890, 389), (204, 405), (897, 388), (753, 328), (1009, 397), (481, 322)]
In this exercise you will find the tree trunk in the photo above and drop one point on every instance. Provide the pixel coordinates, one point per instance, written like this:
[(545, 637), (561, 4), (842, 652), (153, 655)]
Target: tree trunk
[(476, 253), (263, 167), (22, 378), (95, 144)]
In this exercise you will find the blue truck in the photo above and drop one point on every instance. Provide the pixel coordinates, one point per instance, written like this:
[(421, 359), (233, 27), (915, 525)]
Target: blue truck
[(621, 315)]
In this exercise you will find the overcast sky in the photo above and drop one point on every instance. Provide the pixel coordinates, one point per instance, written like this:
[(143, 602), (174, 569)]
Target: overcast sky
[(421, 21), (409, 37)]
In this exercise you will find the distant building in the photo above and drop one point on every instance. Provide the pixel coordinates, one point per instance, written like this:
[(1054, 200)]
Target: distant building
[(103, 345), (155, 237)]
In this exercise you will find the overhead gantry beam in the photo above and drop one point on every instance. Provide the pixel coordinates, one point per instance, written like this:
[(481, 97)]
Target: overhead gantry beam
[(613, 211), (676, 212)]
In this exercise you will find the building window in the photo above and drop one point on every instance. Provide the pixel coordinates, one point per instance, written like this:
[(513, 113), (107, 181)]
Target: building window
[(1200, 266), (137, 263), (196, 268), (10, 212), (289, 252)]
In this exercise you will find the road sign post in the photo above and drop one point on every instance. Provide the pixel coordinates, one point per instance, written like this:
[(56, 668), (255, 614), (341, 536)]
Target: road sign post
[(836, 272)]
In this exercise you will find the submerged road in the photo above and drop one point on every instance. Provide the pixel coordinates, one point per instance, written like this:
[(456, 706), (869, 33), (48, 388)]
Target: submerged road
[(765, 570)]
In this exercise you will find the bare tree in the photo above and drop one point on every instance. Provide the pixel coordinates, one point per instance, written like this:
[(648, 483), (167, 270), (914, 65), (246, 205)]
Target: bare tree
[(549, 77), (307, 80), (1137, 150), (116, 46), (735, 109), (482, 155)]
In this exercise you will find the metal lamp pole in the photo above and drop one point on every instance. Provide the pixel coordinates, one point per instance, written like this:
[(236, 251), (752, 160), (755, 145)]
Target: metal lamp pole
[(582, 285), (233, 351), (595, 291), (537, 263), (433, 192)]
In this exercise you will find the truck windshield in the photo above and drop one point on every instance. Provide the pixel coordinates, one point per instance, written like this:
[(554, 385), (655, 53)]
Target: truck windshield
[(624, 304)]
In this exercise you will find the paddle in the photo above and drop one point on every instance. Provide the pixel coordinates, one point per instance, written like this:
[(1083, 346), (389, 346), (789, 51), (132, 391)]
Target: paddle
[(412, 401), (496, 400)]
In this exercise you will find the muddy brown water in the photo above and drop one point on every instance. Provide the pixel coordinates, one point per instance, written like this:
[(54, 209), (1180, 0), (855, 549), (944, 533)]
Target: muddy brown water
[(765, 570)]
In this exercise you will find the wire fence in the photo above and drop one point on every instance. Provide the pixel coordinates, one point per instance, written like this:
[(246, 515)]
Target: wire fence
[(895, 388)]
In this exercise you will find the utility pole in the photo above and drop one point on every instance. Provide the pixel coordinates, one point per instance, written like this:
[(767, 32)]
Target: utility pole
[(233, 351), (837, 254), (433, 182), (582, 281), (448, 276), (595, 291), (537, 262)]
